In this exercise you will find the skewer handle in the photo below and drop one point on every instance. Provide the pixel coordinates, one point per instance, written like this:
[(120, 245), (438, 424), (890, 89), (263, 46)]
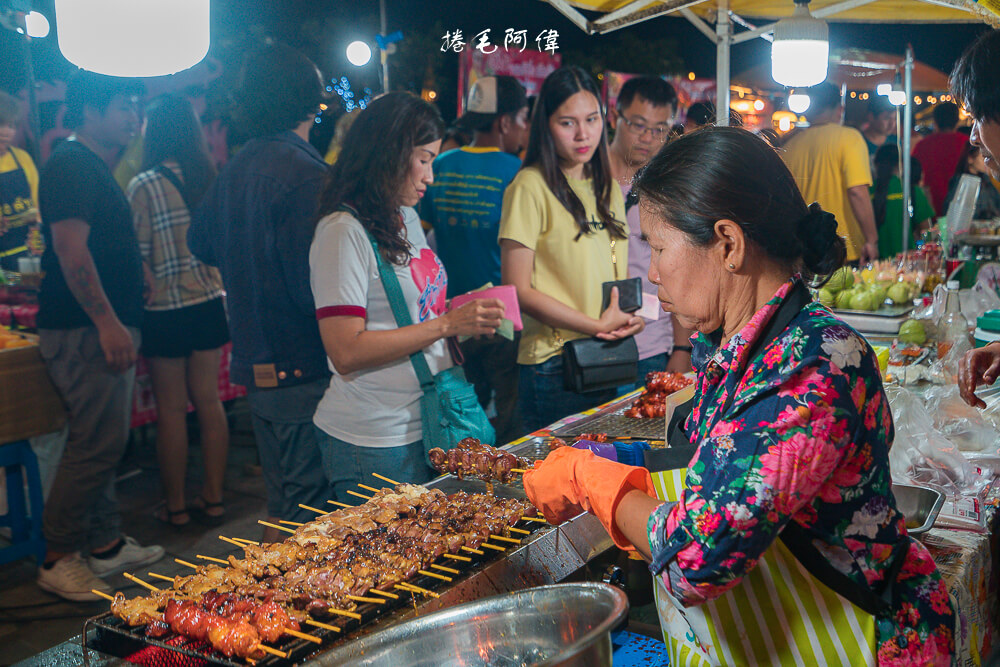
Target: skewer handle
[(341, 612), (291, 523), (302, 635), (184, 562), (274, 525), (492, 546), (520, 470), (359, 495), (160, 576), (385, 479), (449, 570), (313, 509), (132, 577), (334, 502), (109, 598), (506, 539), (471, 550), (385, 593), (519, 530), (361, 598), (214, 560), (272, 651), (435, 575), (368, 488), (534, 518), (325, 626), (456, 557)]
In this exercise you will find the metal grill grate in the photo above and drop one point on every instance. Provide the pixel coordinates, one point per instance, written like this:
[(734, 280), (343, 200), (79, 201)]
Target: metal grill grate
[(116, 637)]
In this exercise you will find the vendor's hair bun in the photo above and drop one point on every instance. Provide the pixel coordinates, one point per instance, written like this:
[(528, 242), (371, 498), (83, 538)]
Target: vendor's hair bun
[(823, 249)]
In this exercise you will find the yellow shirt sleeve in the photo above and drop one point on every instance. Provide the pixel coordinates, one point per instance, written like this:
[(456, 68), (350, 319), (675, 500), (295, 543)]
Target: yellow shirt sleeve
[(522, 217), (856, 165)]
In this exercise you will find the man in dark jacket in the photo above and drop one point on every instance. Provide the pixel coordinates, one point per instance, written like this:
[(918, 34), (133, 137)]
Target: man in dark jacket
[(256, 224)]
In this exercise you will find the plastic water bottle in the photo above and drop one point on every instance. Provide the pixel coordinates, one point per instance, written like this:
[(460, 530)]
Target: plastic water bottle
[(953, 326)]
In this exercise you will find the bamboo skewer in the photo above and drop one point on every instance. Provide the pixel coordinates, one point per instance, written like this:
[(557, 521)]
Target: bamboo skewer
[(184, 562), (139, 581), (232, 541), (274, 525), (520, 470), (368, 488), (313, 509), (492, 546), (291, 523), (471, 550), (385, 593), (360, 598), (325, 626), (160, 576), (302, 635), (534, 518), (334, 502), (456, 557), (272, 651), (355, 493), (435, 575), (246, 541), (416, 589), (109, 598), (519, 530), (449, 570), (385, 479), (341, 612), (214, 560), (506, 539)]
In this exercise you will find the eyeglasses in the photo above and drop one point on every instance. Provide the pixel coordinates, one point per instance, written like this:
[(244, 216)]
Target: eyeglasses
[(639, 129)]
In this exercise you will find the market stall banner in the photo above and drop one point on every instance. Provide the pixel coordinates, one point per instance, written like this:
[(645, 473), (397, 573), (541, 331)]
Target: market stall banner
[(529, 67)]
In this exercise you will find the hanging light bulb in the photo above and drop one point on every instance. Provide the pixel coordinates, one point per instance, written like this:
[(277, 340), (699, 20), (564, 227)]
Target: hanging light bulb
[(36, 24), (798, 102), (883, 88), (133, 37), (800, 52)]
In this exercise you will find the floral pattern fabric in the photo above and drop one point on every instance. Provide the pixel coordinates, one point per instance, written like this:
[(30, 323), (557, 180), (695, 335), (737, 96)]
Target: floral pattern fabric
[(806, 439)]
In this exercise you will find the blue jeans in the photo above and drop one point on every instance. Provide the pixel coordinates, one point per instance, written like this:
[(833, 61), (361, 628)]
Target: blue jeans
[(347, 465), (543, 399), (654, 364), (289, 453)]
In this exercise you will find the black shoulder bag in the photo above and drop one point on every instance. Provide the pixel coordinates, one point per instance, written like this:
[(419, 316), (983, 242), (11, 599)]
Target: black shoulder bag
[(878, 603)]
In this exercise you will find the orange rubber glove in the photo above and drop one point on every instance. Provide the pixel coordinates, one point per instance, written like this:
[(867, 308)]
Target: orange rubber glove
[(570, 481)]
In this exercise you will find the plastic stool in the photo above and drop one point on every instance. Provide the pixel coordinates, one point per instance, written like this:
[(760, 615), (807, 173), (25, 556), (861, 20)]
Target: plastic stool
[(26, 531)]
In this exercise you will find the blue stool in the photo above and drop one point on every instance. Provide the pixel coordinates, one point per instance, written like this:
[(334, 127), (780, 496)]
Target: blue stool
[(26, 531)]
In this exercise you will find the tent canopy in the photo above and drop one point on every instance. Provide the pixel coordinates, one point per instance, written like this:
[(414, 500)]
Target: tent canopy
[(623, 13), (858, 69)]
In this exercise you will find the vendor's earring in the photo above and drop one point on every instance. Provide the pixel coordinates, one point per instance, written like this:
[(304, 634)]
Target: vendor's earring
[(732, 267)]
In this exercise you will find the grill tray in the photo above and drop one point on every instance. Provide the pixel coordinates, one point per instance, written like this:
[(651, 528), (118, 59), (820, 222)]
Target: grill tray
[(178, 651), (612, 421)]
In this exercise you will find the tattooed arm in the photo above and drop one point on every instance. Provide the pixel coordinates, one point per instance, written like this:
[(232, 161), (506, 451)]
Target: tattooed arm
[(69, 241)]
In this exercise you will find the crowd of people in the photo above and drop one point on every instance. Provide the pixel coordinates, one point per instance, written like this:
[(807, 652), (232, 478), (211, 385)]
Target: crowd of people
[(333, 281)]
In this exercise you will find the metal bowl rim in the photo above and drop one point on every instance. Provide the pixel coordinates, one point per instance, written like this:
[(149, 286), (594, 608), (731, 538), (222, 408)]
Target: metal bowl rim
[(446, 616), (932, 513)]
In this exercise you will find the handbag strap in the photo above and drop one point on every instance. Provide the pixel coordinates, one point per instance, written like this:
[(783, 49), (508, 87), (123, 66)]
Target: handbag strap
[(168, 173), (394, 293)]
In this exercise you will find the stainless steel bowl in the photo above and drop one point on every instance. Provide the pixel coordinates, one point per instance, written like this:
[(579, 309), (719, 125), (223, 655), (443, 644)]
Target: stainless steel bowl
[(919, 504), (562, 624)]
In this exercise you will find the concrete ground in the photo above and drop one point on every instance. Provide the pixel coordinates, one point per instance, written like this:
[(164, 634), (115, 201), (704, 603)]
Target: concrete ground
[(32, 620)]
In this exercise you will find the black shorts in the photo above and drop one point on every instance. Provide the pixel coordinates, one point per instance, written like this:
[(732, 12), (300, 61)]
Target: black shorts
[(179, 332)]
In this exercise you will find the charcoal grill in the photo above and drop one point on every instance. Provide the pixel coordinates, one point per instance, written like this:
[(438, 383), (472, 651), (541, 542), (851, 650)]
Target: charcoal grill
[(547, 555)]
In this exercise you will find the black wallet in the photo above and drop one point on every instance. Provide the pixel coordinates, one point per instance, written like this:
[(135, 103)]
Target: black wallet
[(629, 294)]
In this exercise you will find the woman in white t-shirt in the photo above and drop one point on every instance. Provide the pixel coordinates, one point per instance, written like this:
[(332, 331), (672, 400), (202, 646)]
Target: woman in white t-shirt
[(369, 418)]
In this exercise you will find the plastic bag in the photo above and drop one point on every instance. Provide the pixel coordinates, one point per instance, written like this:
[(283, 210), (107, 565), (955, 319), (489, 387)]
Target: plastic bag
[(945, 370), (920, 453), (963, 425)]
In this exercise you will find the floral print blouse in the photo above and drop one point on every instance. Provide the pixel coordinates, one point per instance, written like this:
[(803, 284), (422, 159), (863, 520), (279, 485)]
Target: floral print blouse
[(806, 439)]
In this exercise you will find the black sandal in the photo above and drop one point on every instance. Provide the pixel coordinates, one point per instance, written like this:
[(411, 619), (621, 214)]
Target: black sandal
[(169, 520), (198, 512)]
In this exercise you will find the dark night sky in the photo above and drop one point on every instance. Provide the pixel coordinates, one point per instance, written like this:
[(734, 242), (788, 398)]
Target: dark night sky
[(336, 21)]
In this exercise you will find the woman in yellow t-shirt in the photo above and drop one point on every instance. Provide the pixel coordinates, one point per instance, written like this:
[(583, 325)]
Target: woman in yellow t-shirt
[(563, 234)]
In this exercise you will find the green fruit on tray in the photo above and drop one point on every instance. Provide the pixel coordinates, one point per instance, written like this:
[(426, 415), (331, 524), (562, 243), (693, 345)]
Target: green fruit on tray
[(863, 301), (899, 293), (843, 300), (826, 297), (841, 279), (912, 331), (878, 295)]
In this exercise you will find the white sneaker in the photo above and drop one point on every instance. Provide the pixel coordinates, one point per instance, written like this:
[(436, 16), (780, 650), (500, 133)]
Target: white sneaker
[(131, 555), (70, 578)]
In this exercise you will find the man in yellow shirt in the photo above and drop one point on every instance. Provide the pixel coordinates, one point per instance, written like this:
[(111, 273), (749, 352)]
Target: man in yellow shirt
[(830, 165), (18, 190)]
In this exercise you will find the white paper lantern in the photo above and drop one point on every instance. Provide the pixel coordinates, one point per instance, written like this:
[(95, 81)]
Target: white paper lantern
[(800, 52), (133, 37), (798, 102)]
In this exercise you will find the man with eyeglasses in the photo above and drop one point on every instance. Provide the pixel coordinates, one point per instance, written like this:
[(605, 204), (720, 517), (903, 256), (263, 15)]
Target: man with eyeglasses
[(641, 120)]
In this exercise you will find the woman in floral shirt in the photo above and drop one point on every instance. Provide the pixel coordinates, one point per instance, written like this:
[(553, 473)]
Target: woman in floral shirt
[(792, 430)]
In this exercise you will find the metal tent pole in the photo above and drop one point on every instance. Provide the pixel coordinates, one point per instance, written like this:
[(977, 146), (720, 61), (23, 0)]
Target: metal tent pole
[(724, 36), (384, 55), (907, 133)]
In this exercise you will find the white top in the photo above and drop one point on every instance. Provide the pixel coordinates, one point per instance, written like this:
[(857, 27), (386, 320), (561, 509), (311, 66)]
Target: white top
[(375, 407)]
